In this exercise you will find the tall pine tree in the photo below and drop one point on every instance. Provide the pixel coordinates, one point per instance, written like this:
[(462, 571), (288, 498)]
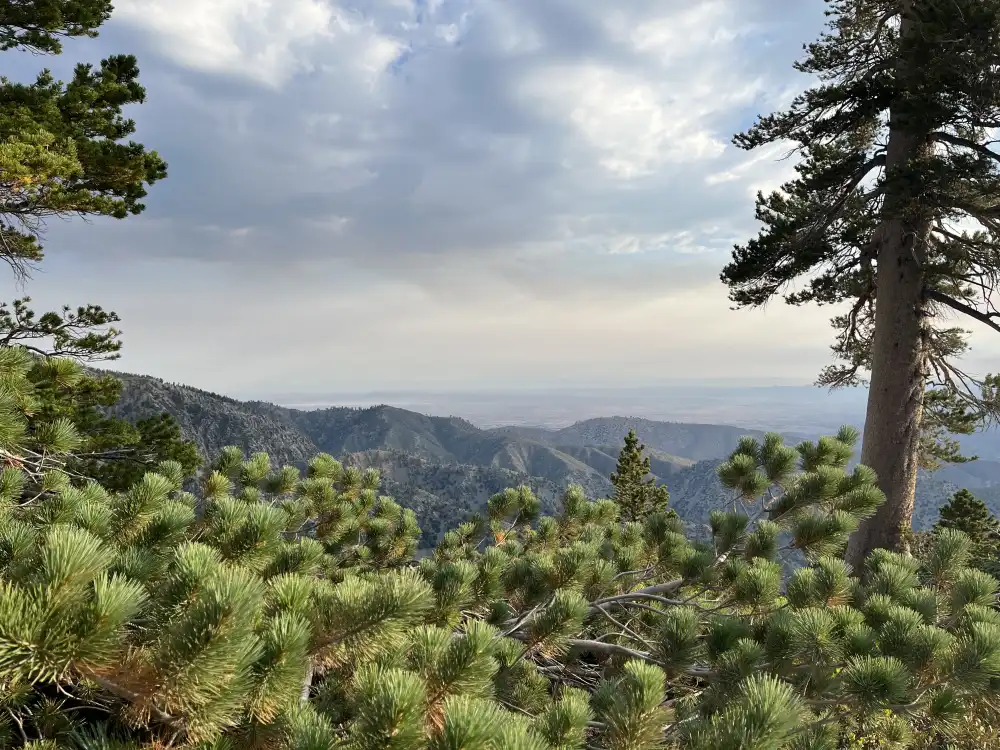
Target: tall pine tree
[(636, 492), (894, 213)]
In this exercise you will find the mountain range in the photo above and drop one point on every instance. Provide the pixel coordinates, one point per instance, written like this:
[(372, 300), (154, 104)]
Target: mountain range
[(445, 468)]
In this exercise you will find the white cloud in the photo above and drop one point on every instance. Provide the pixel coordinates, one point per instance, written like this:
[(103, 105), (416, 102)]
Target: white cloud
[(265, 40), (697, 30), (378, 53), (635, 127), (642, 117), (508, 33)]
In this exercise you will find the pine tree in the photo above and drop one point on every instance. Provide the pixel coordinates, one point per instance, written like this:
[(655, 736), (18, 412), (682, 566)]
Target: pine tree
[(280, 610), (967, 513), (114, 452), (63, 147), (62, 153), (896, 154), (40, 25), (636, 492)]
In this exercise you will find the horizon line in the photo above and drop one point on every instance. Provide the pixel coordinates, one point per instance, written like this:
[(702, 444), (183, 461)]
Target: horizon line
[(581, 389)]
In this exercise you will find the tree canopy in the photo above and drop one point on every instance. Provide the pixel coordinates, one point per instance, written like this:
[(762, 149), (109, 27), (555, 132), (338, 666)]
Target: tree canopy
[(41, 25), (64, 146)]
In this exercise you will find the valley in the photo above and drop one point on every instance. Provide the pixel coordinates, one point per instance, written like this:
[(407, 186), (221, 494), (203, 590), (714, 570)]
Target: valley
[(446, 468)]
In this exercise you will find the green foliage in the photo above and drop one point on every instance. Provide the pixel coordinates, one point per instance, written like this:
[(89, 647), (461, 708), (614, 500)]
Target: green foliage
[(113, 452), (282, 609), (63, 145), (85, 334), (967, 513), (636, 492), (40, 25), (61, 151)]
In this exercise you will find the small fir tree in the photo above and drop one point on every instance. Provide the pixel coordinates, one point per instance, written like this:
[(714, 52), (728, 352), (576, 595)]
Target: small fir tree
[(636, 492), (967, 513)]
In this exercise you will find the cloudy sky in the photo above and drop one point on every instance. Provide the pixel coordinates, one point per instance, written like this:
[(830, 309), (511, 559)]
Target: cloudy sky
[(444, 193)]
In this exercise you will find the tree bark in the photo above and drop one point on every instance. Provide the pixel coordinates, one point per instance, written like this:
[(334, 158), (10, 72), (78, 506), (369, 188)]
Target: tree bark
[(891, 444)]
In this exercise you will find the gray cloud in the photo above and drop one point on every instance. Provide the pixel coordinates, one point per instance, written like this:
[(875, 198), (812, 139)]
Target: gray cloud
[(446, 154)]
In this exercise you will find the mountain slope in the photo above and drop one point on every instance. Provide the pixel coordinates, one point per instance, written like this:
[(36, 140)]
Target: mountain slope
[(213, 421), (697, 442), (444, 495), (446, 468), (293, 436)]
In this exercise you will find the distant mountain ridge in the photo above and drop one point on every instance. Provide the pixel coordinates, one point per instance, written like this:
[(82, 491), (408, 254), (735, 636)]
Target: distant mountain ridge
[(292, 436), (445, 468), (694, 442)]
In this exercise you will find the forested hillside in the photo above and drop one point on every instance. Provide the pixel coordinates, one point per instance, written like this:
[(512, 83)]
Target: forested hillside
[(445, 468), (695, 442)]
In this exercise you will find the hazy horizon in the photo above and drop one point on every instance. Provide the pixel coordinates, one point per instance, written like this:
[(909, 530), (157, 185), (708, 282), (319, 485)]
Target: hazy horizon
[(782, 407), (798, 411)]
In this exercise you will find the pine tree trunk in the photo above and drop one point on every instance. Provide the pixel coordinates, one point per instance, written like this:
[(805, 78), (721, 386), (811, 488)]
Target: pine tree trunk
[(891, 444)]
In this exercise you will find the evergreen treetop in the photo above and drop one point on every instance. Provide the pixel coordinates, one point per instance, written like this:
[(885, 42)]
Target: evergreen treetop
[(64, 147), (636, 492), (967, 513), (40, 25)]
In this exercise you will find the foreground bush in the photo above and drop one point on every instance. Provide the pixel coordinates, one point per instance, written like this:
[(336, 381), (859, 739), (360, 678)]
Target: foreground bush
[(281, 610)]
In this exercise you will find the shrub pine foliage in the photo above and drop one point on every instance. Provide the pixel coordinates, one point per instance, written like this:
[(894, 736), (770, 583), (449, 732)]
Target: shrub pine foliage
[(284, 609)]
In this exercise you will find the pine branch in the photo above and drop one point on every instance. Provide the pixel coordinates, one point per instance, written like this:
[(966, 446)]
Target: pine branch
[(834, 212), (944, 299), (307, 682), (956, 140), (614, 649), (669, 587), (138, 701), (610, 649)]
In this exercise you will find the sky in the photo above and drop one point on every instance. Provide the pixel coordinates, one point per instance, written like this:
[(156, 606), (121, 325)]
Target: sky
[(444, 194)]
